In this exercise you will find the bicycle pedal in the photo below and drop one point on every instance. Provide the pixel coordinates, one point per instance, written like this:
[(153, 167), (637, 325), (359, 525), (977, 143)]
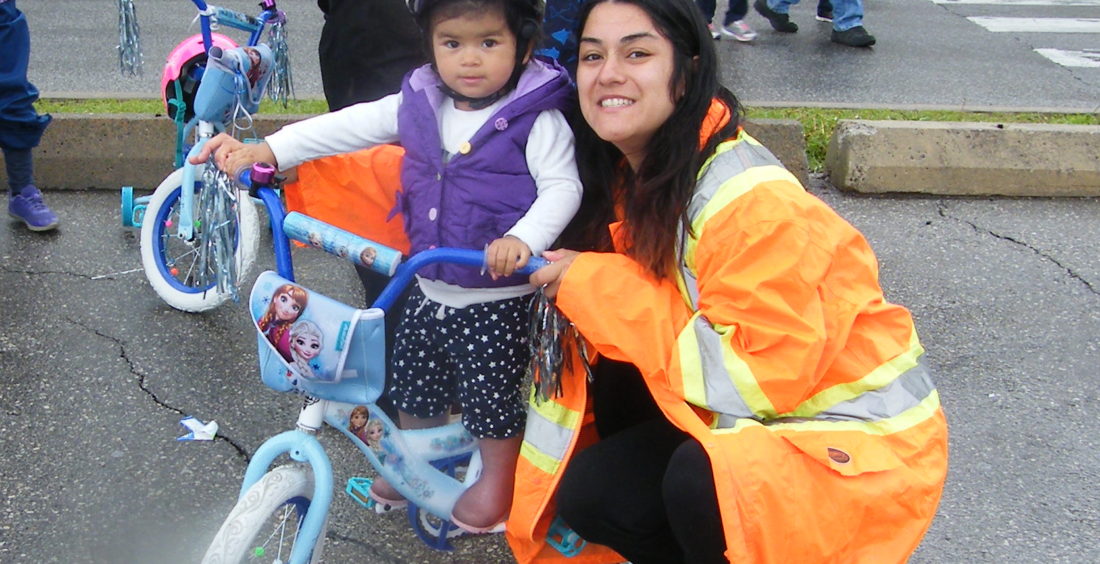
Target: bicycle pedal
[(359, 490)]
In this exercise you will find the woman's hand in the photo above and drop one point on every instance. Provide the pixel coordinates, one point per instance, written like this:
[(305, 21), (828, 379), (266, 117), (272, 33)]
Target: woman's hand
[(552, 274), (232, 156), (505, 255)]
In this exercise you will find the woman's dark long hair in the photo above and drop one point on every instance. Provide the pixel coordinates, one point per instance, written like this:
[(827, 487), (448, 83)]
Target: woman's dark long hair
[(656, 196)]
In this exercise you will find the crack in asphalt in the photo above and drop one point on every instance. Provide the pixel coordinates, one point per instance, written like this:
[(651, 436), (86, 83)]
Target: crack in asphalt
[(1069, 271), (371, 549), (144, 388), (47, 272)]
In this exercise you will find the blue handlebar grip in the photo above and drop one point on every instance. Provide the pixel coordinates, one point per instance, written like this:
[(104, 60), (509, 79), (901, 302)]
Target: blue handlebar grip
[(533, 264), (344, 244)]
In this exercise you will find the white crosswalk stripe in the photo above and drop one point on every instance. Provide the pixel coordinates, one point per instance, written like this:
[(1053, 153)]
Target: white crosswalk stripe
[(1089, 58), (1022, 2), (1051, 17), (1038, 25)]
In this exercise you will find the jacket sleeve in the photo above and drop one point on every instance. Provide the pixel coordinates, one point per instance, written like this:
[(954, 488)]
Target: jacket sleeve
[(622, 310), (754, 345)]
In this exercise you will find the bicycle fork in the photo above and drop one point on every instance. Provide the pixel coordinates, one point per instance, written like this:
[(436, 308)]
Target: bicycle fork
[(186, 228), (302, 446)]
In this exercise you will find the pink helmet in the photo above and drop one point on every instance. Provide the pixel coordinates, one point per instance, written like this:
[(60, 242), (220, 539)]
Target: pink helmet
[(185, 64)]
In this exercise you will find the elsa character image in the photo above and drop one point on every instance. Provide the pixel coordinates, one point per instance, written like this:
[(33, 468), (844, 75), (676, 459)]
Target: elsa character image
[(285, 307), (306, 341), (374, 435)]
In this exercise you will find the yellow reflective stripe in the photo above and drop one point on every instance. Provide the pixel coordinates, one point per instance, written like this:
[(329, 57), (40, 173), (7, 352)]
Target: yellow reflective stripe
[(733, 383), (543, 462), (550, 428), (905, 420), (877, 378), (747, 384), (731, 189), (556, 413), (691, 364)]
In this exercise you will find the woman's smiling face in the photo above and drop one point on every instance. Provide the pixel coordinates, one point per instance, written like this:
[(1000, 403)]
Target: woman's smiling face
[(623, 74)]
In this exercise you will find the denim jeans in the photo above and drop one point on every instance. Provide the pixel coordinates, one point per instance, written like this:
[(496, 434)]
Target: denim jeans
[(846, 13), (736, 11)]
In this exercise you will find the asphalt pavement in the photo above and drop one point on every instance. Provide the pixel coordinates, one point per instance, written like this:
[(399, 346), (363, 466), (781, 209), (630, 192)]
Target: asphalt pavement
[(96, 371), (928, 55)]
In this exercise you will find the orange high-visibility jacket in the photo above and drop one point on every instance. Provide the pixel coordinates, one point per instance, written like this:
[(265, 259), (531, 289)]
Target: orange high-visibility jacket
[(776, 350), (354, 191)]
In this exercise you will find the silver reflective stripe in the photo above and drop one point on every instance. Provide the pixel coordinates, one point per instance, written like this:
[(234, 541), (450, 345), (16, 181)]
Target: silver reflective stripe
[(738, 158), (722, 396), (547, 437), (903, 393), (742, 156)]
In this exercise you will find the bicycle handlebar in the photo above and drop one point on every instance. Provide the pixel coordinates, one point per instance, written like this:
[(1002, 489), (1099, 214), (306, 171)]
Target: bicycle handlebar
[(363, 251)]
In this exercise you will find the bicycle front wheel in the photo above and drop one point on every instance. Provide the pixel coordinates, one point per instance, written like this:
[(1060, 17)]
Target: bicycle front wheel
[(263, 526), (179, 270)]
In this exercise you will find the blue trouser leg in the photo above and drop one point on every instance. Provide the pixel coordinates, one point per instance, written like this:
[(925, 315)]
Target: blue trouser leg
[(847, 14), (707, 7), (20, 125), (20, 166), (781, 6), (737, 10)]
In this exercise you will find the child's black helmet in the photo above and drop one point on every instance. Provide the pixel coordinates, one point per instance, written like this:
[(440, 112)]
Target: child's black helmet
[(523, 17), (529, 9)]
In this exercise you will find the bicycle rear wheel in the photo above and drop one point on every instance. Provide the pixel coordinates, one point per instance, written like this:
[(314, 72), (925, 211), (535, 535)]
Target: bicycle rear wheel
[(263, 526), (179, 270)]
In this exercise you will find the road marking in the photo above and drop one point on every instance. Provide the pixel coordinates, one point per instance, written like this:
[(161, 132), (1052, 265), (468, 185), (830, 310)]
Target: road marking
[(1023, 2), (1038, 25), (1089, 58)]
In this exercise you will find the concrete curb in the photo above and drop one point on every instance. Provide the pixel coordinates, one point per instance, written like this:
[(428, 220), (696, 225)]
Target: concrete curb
[(108, 151), (965, 159)]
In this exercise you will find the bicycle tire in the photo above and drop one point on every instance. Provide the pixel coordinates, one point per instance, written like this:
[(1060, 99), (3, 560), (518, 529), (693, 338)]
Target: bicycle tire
[(263, 508), (161, 250)]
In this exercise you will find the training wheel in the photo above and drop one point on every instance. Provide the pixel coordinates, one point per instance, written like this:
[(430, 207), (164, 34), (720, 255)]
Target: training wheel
[(434, 531), (128, 206)]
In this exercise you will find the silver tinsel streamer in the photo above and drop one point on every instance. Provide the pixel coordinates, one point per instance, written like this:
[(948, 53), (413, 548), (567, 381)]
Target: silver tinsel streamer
[(545, 335), (129, 39), (218, 216), (281, 87)]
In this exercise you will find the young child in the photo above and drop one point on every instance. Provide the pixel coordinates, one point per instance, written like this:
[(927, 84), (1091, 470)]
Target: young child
[(488, 163)]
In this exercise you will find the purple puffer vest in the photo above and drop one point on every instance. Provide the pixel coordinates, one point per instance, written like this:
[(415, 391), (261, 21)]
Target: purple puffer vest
[(478, 195)]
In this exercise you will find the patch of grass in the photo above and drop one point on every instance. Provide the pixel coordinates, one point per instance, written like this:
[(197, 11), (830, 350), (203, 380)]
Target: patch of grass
[(156, 107), (817, 123)]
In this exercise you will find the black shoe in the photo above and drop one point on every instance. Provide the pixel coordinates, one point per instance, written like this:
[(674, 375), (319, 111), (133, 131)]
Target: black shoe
[(855, 37), (780, 22)]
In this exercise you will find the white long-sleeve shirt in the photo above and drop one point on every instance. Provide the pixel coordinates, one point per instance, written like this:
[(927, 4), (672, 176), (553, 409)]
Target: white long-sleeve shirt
[(549, 154)]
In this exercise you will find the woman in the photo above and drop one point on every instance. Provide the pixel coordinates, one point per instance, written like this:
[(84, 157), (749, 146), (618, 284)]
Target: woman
[(756, 399)]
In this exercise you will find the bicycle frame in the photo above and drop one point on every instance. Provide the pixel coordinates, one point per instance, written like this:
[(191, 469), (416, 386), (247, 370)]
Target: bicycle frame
[(205, 130), (301, 444)]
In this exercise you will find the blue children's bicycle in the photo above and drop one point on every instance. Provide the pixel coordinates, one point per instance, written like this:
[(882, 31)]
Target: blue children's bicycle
[(199, 235), (334, 355)]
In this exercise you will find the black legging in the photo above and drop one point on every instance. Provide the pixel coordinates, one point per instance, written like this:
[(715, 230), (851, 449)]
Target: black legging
[(646, 489)]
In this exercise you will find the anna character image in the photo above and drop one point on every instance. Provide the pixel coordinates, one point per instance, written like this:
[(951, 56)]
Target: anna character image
[(287, 304)]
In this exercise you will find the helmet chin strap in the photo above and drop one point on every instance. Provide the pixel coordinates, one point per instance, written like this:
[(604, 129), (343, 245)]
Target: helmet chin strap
[(475, 103)]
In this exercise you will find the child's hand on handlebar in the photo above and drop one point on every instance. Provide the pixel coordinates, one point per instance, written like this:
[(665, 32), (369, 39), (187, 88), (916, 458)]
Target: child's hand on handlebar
[(505, 255), (232, 156)]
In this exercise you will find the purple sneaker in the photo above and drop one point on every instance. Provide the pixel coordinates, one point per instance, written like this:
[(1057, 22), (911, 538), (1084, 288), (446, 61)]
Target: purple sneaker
[(30, 209)]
